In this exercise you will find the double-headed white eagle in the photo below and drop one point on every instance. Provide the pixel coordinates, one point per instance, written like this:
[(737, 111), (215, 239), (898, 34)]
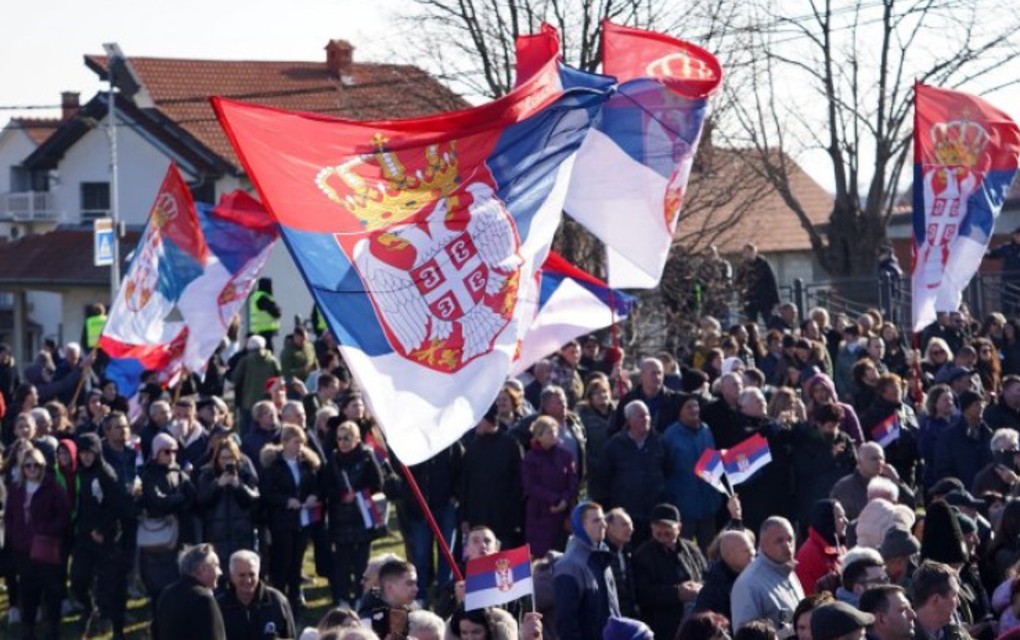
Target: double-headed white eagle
[(397, 297)]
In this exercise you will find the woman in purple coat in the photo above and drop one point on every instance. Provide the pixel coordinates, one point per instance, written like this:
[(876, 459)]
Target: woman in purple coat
[(549, 477)]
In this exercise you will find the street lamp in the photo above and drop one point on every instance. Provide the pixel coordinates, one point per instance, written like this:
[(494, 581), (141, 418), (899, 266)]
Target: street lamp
[(122, 75)]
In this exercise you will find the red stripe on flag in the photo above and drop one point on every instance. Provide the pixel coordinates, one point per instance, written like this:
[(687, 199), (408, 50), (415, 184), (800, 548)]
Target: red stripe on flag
[(487, 564)]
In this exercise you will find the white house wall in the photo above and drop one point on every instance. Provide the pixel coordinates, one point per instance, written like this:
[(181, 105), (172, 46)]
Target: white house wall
[(15, 146), (140, 170)]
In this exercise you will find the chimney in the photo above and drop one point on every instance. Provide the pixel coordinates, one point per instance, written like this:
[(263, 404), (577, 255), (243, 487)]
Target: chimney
[(339, 57), (69, 105)]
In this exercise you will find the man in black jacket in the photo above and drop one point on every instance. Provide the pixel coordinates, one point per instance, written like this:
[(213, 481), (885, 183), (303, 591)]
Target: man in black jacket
[(251, 609), (187, 609), (619, 531), (735, 552), (99, 562), (668, 573)]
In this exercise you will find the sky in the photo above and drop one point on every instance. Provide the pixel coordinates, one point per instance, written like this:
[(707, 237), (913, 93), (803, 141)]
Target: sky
[(44, 56)]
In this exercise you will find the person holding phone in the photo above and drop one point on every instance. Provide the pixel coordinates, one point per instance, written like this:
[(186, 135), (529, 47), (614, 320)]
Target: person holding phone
[(385, 609), (228, 492)]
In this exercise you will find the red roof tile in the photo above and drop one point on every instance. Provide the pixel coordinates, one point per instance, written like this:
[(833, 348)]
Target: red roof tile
[(729, 204), (38, 129), (181, 90), (59, 258)]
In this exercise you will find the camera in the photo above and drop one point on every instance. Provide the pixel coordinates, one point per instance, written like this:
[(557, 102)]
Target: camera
[(231, 468)]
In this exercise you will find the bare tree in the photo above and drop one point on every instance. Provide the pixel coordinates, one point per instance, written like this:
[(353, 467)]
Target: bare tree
[(840, 78)]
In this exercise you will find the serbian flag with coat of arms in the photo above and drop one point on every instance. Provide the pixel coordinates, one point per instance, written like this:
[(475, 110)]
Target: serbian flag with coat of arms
[(192, 270), (571, 303), (498, 578), (965, 159), (421, 239), (746, 459)]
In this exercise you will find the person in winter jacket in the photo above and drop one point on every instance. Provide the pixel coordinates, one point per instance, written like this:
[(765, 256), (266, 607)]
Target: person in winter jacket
[(822, 454), (289, 484), (167, 491), (102, 506), (251, 608), (348, 482), (585, 592), (36, 519), (823, 550), (736, 551), (698, 501), (227, 494), (966, 447), (550, 480), (820, 389)]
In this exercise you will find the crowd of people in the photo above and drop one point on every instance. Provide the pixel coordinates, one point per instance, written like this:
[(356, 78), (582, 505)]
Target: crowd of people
[(887, 507)]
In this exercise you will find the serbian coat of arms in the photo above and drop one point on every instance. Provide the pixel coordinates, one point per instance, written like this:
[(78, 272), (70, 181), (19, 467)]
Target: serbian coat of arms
[(439, 254)]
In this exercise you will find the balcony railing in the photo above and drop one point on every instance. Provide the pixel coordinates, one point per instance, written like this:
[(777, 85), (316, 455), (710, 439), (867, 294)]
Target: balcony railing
[(28, 206)]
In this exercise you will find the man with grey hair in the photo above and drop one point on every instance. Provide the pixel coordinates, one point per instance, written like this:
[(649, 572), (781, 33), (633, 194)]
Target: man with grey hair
[(663, 404), (722, 415), (250, 607), (633, 473), (425, 625), (187, 609), (768, 588), (1000, 475), (852, 490)]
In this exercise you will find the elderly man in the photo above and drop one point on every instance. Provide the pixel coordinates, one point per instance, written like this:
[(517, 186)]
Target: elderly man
[(251, 609), (634, 468), (186, 608), (723, 414), (668, 571), (736, 551), (1000, 475), (768, 588), (685, 441), (619, 532), (852, 490), (663, 404)]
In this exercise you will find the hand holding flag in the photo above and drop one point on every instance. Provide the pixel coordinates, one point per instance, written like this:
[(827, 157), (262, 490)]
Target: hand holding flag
[(887, 431)]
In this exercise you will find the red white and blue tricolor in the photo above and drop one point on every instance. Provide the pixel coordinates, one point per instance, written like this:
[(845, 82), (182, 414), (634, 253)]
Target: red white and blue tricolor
[(965, 159), (498, 578), (421, 239), (192, 270), (746, 459), (710, 468), (887, 431), (372, 516), (571, 303)]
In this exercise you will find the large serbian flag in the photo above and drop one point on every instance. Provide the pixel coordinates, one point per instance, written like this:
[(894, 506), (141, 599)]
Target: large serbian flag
[(498, 578), (191, 271), (420, 239), (571, 303), (965, 158), (631, 173)]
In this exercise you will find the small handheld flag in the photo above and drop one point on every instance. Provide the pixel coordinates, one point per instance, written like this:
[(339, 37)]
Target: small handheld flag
[(710, 469), (887, 431), (498, 579), (747, 458), (371, 513)]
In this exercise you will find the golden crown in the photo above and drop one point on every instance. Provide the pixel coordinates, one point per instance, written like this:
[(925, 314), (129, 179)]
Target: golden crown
[(398, 193), (959, 143)]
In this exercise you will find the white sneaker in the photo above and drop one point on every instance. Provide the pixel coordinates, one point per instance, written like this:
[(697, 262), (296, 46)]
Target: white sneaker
[(14, 616)]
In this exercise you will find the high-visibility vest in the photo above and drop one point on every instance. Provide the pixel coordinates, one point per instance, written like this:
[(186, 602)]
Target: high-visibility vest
[(319, 321), (93, 329), (260, 321)]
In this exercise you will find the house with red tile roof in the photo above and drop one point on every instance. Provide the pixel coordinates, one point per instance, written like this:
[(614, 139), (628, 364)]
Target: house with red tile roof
[(59, 180)]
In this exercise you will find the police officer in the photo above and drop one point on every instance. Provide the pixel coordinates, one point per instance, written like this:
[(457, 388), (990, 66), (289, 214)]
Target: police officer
[(263, 313)]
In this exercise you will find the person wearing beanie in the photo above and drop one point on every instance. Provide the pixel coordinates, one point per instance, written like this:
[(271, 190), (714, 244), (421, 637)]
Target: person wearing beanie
[(583, 584), (966, 447), (685, 440), (838, 620), (669, 572), (863, 568), (253, 369), (626, 629), (898, 549), (824, 548), (102, 506)]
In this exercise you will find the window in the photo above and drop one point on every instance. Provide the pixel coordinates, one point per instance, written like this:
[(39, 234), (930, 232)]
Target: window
[(95, 201)]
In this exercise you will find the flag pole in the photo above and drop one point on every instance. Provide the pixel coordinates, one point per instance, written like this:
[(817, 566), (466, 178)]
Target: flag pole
[(81, 381), (436, 533)]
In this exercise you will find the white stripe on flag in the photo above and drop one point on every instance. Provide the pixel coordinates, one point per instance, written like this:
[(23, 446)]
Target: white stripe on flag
[(494, 597)]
